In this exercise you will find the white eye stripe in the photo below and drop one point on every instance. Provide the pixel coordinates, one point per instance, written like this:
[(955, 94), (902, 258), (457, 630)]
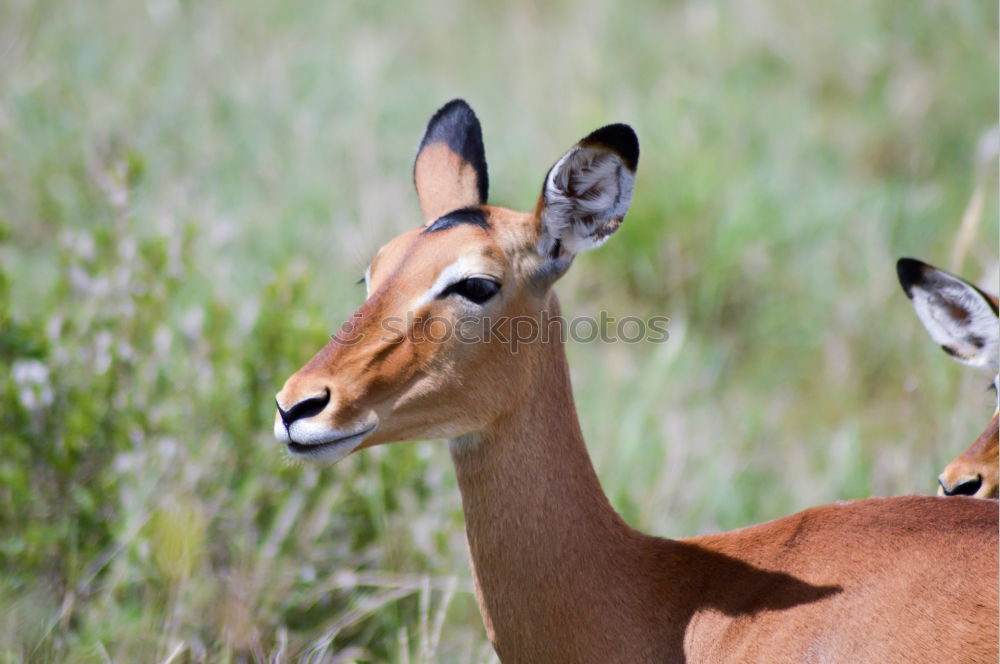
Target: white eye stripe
[(463, 268)]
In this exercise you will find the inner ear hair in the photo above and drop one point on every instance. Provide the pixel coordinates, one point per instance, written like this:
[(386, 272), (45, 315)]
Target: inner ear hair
[(588, 191), (958, 316)]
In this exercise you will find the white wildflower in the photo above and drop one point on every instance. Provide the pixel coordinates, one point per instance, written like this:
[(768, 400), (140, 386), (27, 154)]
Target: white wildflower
[(32, 380), (162, 339), (102, 352), (191, 323)]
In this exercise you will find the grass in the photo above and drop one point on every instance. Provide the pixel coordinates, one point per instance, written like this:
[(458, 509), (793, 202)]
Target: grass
[(188, 191)]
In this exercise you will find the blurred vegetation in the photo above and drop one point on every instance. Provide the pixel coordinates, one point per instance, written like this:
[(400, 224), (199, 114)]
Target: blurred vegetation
[(188, 191)]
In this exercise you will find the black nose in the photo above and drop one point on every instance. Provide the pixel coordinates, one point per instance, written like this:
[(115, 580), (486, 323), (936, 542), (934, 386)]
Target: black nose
[(305, 408), (967, 487)]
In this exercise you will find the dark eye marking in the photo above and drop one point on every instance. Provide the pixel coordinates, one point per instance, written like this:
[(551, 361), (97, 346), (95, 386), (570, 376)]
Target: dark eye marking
[(474, 289), (360, 282)]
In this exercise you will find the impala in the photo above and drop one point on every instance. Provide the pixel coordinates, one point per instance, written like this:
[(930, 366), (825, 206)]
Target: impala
[(963, 320), (559, 576)]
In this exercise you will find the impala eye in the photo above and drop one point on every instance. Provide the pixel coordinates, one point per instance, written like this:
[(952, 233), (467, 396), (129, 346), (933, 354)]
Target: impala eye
[(474, 289)]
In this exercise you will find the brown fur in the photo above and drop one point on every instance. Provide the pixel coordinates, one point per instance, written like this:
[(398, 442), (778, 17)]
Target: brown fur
[(560, 577)]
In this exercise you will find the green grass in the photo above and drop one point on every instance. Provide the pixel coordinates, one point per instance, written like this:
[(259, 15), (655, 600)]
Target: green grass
[(189, 190)]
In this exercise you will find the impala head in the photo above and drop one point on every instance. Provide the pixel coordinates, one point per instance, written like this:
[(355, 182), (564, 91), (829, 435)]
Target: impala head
[(430, 352), (963, 320)]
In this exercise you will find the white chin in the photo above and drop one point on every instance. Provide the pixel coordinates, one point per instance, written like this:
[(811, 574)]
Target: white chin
[(325, 454), (314, 442)]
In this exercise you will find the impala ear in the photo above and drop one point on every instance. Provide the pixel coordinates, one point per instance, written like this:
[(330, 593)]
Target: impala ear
[(450, 169), (587, 192), (957, 315)]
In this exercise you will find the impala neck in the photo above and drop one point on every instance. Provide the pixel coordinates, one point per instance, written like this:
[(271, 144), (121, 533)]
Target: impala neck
[(542, 535)]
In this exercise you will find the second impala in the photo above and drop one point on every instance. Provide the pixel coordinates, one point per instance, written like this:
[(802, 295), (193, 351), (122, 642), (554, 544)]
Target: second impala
[(963, 320)]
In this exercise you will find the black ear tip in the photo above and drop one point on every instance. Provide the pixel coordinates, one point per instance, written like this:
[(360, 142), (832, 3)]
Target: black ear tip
[(620, 138), (455, 115), (910, 272), (455, 106)]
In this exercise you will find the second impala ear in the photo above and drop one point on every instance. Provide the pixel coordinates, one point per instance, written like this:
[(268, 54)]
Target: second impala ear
[(959, 317), (587, 192), (450, 169)]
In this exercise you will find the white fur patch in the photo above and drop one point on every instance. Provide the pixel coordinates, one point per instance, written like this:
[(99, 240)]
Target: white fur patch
[(325, 446), (587, 193), (310, 432), (463, 268), (959, 319)]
